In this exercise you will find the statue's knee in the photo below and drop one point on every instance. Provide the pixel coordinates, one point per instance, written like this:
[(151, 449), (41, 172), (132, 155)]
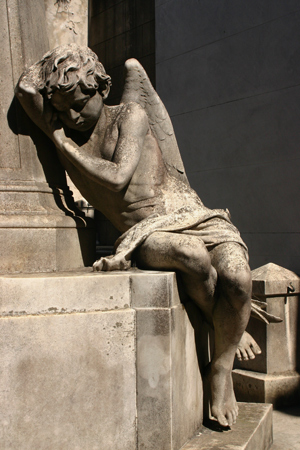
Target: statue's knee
[(238, 285), (194, 257)]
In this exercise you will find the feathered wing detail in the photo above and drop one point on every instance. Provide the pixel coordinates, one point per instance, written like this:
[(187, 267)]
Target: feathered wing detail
[(138, 88)]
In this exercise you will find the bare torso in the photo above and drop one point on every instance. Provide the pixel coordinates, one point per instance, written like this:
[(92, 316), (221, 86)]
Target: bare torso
[(151, 188)]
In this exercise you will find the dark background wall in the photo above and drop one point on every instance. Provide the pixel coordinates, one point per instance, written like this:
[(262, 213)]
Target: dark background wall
[(229, 73), (122, 29)]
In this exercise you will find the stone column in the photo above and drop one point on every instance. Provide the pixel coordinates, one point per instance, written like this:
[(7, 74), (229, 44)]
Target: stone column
[(67, 22), (39, 230)]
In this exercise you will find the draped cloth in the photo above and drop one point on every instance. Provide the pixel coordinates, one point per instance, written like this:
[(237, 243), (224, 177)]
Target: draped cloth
[(214, 227)]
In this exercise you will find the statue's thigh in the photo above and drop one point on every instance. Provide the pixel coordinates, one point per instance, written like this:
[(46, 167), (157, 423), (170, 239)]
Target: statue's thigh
[(167, 250)]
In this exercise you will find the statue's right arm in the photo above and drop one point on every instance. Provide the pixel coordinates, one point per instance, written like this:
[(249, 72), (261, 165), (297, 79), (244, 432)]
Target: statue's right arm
[(114, 174)]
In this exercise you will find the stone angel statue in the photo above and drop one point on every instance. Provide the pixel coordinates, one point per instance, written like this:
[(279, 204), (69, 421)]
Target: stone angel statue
[(125, 161)]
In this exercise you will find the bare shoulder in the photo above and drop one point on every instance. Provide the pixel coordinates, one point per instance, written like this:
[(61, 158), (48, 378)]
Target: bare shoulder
[(133, 108), (134, 117)]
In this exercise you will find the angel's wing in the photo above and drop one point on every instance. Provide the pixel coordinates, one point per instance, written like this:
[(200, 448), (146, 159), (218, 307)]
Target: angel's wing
[(139, 89)]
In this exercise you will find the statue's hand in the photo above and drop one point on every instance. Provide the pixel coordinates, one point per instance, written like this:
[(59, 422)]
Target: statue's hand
[(112, 262)]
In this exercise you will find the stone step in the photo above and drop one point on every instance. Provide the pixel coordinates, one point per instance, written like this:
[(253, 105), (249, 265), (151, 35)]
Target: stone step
[(253, 431)]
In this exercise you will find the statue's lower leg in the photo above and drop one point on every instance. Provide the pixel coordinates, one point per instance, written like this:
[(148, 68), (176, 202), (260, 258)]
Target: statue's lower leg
[(220, 284), (230, 317)]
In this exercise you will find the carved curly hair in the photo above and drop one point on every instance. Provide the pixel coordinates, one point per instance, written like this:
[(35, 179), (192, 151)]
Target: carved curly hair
[(66, 67)]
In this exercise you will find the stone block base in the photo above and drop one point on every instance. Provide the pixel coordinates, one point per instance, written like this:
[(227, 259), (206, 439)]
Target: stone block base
[(279, 389), (95, 361), (253, 431), (52, 247)]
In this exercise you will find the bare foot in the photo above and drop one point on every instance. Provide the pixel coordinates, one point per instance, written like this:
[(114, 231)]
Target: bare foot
[(247, 348), (223, 404)]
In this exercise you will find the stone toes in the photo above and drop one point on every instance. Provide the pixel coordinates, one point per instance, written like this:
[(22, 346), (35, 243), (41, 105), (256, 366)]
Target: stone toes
[(244, 355), (234, 416), (238, 355), (229, 418), (256, 348), (220, 417), (250, 353)]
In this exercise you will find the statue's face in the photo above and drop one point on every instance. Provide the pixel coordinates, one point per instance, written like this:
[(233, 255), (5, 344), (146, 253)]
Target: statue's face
[(79, 110)]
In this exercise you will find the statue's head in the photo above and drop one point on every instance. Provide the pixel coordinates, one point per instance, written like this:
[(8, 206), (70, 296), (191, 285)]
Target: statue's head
[(76, 83), (69, 66)]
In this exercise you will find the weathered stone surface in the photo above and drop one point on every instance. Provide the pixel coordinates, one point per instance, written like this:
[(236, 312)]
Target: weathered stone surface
[(68, 381), (65, 293), (169, 387), (9, 149), (279, 288), (152, 289), (67, 21), (272, 376), (46, 248), (39, 228), (84, 368), (187, 396), (273, 280), (253, 431), (280, 389)]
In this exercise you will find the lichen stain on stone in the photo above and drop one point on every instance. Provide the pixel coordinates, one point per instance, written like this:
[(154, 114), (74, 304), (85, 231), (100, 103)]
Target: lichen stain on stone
[(66, 21), (153, 358)]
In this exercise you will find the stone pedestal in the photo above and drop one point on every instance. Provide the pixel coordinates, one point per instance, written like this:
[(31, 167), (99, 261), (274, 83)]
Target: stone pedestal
[(96, 361), (273, 376)]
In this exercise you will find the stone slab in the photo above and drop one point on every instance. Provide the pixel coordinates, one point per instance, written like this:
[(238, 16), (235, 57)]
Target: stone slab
[(92, 361), (50, 249), (169, 387), (68, 292), (279, 389), (68, 382), (253, 431), (150, 291)]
